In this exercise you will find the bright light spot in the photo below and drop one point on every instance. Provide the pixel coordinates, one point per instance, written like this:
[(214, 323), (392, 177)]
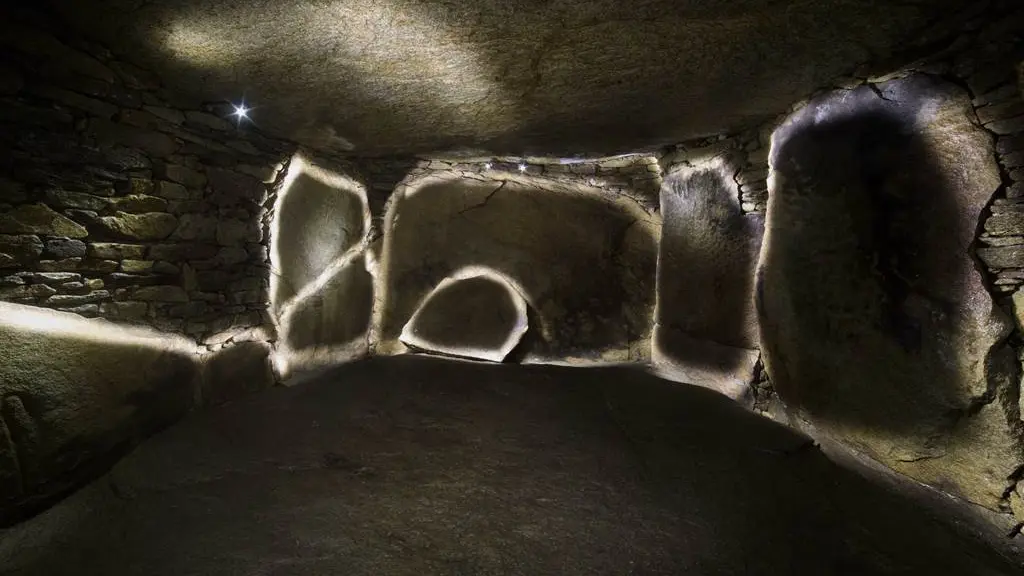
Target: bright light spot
[(67, 325), (522, 167), (242, 111), (488, 165)]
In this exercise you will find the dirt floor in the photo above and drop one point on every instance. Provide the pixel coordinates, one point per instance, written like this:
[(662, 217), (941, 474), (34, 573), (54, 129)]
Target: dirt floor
[(421, 466)]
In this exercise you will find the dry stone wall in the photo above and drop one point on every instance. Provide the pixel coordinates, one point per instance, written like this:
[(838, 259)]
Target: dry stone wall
[(117, 202), (1000, 109)]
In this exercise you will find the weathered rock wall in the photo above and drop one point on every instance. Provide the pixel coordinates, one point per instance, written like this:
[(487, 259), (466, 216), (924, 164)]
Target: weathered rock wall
[(338, 297), (876, 325), (891, 245), (322, 288), (118, 205), (117, 202), (579, 241), (76, 394)]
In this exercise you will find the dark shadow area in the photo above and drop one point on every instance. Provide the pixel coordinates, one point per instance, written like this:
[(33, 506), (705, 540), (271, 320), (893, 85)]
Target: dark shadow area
[(874, 318), (534, 343), (463, 468), (706, 268), (73, 402), (586, 263), (383, 176), (316, 224)]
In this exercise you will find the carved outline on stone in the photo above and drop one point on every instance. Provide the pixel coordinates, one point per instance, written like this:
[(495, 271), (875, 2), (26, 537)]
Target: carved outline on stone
[(284, 358), (300, 165), (515, 292)]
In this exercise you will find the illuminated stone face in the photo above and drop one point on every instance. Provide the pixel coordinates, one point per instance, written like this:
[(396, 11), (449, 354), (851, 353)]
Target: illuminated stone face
[(875, 321), (411, 76), (583, 259), (322, 287), (706, 325), (476, 313), (112, 386), (321, 217)]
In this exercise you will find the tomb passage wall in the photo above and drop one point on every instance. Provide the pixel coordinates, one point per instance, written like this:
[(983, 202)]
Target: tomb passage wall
[(119, 206), (581, 253), (117, 201)]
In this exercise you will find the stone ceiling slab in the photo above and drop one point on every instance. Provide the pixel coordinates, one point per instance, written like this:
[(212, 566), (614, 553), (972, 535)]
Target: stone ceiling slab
[(378, 77)]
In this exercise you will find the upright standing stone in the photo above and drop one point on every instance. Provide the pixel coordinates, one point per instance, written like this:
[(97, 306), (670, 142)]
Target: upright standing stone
[(876, 325), (706, 331), (317, 223)]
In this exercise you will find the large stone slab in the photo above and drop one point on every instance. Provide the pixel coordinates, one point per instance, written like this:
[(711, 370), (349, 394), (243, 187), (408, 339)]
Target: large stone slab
[(476, 315), (74, 395), (319, 218), (39, 219), (876, 325), (510, 76), (146, 227), (335, 315), (236, 371), (706, 330), (584, 259)]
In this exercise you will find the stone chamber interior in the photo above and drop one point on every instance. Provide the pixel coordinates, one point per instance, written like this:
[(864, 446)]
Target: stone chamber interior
[(560, 287)]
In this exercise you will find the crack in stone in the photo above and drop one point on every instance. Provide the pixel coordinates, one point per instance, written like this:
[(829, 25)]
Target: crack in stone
[(485, 200), (878, 92), (5, 434)]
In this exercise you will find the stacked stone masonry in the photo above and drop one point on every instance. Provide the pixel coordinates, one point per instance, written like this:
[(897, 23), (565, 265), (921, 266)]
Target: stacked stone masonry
[(611, 184), (116, 203)]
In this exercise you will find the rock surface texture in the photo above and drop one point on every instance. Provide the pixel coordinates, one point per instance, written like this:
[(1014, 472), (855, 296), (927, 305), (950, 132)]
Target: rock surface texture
[(317, 222), (570, 76), (62, 423), (876, 324), (584, 259), (706, 330), (474, 315), (421, 466), (492, 180), (334, 320)]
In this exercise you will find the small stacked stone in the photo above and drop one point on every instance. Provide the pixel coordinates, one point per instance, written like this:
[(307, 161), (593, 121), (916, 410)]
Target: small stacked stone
[(116, 201), (635, 176), (753, 175), (747, 154)]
